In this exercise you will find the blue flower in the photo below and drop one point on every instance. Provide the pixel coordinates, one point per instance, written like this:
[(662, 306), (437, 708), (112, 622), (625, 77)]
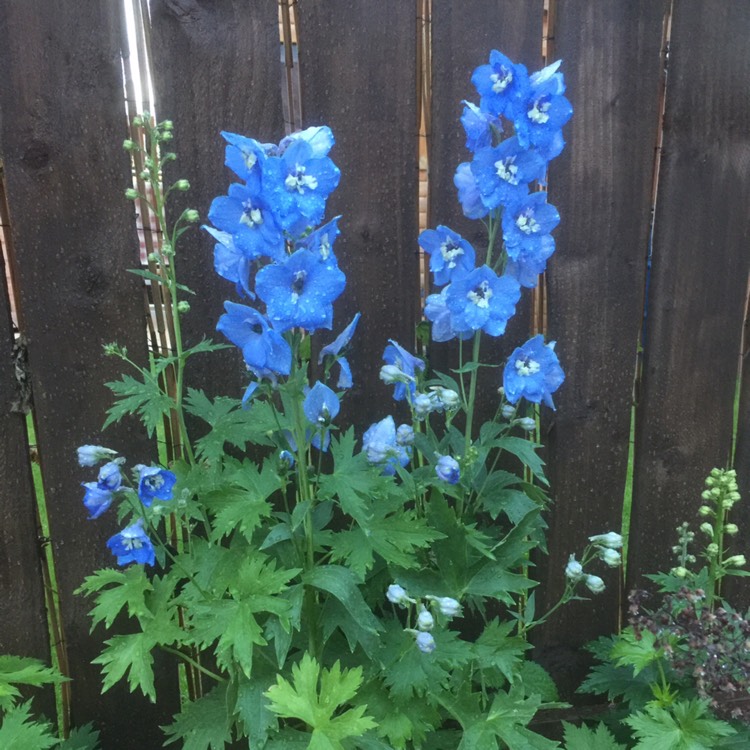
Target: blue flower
[(230, 263), (437, 312), (109, 477), (334, 348), (450, 254), (90, 455), (482, 300), (265, 351), (321, 406), (245, 157), (321, 241), (468, 192), (533, 372), (408, 364), (544, 111), (526, 224), (478, 126), (405, 435), (531, 261), (318, 137), (300, 184), (246, 215), (382, 447), (502, 84), (286, 460), (300, 291), (447, 469), (154, 483), (132, 544), (96, 499), (503, 172)]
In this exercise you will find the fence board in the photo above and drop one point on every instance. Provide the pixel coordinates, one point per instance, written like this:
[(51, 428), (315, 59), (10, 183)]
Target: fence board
[(515, 29), (216, 67), (698, 281), (601, 185), (63, 123), (363, 85)]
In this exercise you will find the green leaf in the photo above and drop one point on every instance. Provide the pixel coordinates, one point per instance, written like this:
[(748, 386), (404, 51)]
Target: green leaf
[(129, 654), (495, 647), (686, 725), (495, 580), (320, 708), (537, 681), (20, 731), (252, 709), (637, 651), (82, 738), (144, 398), (586, 738), (525, 451), (202, 724), (22, 670), (125, 588), (342, 583)]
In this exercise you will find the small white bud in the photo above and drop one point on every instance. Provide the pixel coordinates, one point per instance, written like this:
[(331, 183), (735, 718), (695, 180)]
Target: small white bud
[(610, 539), (595, 584)]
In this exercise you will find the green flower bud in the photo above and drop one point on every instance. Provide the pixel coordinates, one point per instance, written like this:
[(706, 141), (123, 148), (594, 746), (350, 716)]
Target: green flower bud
[(706, 528), (183, 306), (138, 121), (727, 504), (129, 145), (167, 125), (711, 481), (168, 156), (734, 496), (182, 185), (715, 472), (145, 175), (736, 561), (167, 250), (712, 550), (706, 495), (153, 257), (131, 194), (704, 510), (731, 529), (165, 136), (679, 571), (110, 349), (192, 215)]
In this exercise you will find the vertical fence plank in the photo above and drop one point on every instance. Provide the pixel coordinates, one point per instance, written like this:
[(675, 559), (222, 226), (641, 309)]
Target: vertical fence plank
[(358, 75), (601, 185), (63, 122), (515, 29), (216, 67), (699, 276)]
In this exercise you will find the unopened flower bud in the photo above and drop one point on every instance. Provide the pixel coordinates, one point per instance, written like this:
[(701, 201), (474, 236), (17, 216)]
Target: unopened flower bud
[(734, 496), (707, 528), (423, 405), (405, 434), (153, 257), (167, 250), (448, 606), (727, 504), (425, 642), (192, 215), (166, 125), (712, 550), (574, 569), (138, 121), (182, 185), (449, 398), (508, 411), (397, 594), (425, 621), (131, 194), (165, 135), (183, 306), (390, 374), (527, 423), (704, 510), (736, 561), (705, 495), (91, 455), (447, 469), (679, 571), (610, 539), (610, 557), (286, 460), (129, 145), (595, 584), (731, 529), (711, 481)]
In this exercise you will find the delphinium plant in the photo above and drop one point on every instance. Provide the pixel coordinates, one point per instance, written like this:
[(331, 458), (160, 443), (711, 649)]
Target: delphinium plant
[(359, 588), (679, 674)]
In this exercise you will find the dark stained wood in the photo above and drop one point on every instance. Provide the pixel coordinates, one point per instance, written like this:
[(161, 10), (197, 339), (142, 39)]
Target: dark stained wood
[(514, 28), (699, 277), (62, 125), (216, 67), (601, 185), (358, 75), (24, 631)]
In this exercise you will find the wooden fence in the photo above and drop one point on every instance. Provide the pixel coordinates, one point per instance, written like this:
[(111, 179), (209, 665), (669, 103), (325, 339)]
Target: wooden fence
[(653, 189)]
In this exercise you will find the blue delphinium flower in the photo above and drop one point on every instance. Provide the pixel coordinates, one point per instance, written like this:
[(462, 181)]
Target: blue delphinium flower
[(382, 447), (450, 254), (503, 172), (321, 406), (333, 350), (286, 460), (447, 469), (265, 351), (90, 455), (405, 435), (96, 499), (478, 126), (502, 84), (482, 300), (531, 260), (533, 372), (132, 544), (154, 483), (245, 157), (468, 192), (526, 223), (300, 291), (300, 184), (318, 137), (109, 477), (396, 355), (321, 241), (437, 312), (230, 263), (246, 215)]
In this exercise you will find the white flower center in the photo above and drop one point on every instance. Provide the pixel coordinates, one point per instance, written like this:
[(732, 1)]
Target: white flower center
[(250, 159), (450, 252), (298, 180), (251, 217), (481, 295), (527, 223), (155, 482), (325, 247), (298, 284), (130, 542), (501, 80), (526, 367), (538, 113), (507, 170)]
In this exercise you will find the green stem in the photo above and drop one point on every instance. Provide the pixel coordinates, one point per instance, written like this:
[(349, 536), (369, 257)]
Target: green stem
[(193, 663)]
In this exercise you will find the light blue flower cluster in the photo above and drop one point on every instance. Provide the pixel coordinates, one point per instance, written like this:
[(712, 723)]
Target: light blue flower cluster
[(267, 244), (132, 544)]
